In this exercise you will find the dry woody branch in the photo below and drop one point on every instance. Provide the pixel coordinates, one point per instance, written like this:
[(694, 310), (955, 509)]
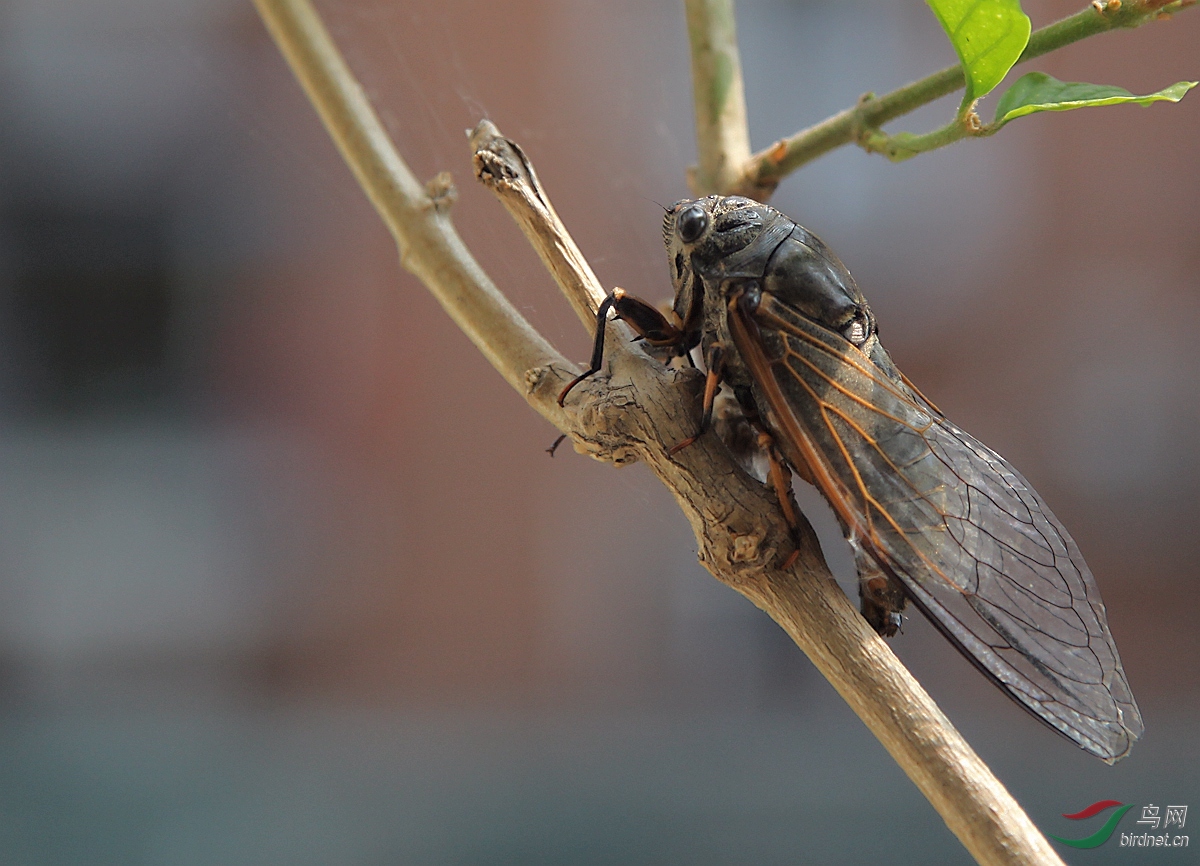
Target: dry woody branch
[(638, 408)]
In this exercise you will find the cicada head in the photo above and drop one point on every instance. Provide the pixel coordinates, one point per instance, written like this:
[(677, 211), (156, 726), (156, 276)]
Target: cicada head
[(685, 219), (704, 233)]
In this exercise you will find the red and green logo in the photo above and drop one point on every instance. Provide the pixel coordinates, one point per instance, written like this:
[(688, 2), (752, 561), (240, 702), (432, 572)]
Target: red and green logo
[(1154, 817), (1100, 836)]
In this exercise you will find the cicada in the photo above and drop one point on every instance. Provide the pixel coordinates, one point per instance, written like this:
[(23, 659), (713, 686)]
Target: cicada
[(934, 516)]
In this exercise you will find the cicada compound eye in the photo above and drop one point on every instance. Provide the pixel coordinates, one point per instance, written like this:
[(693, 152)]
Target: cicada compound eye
[(691, 223)]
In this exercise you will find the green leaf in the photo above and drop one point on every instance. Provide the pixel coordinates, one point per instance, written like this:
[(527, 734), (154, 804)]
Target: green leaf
[(989, 36), (1038, 91)]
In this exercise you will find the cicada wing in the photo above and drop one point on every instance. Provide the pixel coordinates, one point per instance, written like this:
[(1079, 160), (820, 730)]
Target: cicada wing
[(976, 548)]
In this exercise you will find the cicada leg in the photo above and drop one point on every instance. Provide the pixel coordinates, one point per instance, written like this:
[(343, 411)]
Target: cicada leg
[(715, 362), (647, 322), (881, 598), (597, 348), (779, 474)]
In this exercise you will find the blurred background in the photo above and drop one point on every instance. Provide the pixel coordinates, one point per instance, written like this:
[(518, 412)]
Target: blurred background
[(286, 576)]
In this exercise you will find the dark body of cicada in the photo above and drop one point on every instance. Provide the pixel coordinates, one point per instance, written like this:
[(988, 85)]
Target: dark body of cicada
[(934, 515)]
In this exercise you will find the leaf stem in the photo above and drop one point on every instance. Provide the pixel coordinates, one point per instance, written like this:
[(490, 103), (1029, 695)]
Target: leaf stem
[(861, 123), (906, 145)]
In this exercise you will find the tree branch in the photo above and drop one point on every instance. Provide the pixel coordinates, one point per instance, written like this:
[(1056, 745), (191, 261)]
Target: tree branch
[(637, 410), (722, 134), (743, 539), (417, 216), (502, 166), (762, 173)]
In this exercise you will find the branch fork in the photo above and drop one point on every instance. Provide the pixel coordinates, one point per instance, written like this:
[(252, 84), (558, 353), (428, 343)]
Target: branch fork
[(637, 408), (758, 174), (642, 407)]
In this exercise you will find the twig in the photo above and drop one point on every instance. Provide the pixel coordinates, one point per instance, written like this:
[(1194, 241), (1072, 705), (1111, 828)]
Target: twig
[(502, 166), (637, 410), (722, 135), (766, 168), (429, 245)]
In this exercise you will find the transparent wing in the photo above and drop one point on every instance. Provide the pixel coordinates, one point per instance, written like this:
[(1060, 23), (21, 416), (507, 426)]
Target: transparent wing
[(975, 547)]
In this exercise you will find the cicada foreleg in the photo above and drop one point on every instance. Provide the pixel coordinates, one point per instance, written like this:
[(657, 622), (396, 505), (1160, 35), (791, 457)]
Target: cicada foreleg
[(646, 321), (597, 347)]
